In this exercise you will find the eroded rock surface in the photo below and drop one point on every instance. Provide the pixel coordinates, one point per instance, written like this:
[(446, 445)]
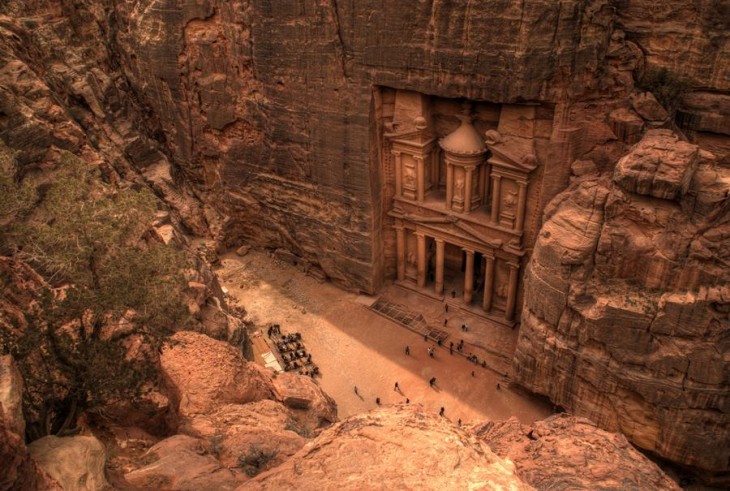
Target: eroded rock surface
[(181, 462), (17, 470), (393, 448), (75, 462), (568, 452), (626, 313), (206, 373)]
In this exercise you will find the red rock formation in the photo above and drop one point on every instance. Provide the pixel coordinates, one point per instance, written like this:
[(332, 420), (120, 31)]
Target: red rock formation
[(392, 448), (567, 452), (626, 316)]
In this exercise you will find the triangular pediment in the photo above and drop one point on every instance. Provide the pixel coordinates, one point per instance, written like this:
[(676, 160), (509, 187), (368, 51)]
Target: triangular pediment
[(513, 154), (462, 226)]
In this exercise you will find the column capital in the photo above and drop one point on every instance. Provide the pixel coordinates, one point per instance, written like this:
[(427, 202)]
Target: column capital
[(419, 234), (470, 167), (513, 265), (397, 153), (438, 240), (468, 251)]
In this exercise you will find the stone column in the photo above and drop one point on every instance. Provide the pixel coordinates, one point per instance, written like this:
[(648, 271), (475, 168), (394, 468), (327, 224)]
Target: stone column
[(521, 198), (449, 184), (400, 242), (398, 174), (483, 184), (509, 311), (496, 185), (421, 278), (420, 180), (469, 277), (488, 284), (467, 188), (439, 286)]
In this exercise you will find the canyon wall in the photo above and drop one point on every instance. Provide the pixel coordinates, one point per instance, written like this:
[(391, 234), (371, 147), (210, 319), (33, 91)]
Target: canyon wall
[(264, 110), (627, 309)]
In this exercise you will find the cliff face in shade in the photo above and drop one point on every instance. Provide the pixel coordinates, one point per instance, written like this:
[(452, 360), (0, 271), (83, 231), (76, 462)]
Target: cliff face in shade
[(627, 301)]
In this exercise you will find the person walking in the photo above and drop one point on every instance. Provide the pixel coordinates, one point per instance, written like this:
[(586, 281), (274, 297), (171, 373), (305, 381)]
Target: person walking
[(432, 382), (356, 392), (408, 350), (441, 412), (377, 401), (396, 387)]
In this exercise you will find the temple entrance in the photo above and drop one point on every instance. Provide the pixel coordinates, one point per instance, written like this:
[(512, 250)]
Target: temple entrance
[(458, 174)]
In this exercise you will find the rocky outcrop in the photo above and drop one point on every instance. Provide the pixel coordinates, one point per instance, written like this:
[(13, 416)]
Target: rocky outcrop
[(368, 452), (312, 406), (181, 462), (75, 462), (235, 430), (567, 452), (204, 373), (626, 313)]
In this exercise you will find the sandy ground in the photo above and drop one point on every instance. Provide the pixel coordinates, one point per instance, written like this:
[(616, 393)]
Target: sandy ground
[(354, 346)]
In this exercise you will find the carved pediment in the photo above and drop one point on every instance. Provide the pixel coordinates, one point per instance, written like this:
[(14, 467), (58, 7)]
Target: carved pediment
[(516, 154), (456, 222)]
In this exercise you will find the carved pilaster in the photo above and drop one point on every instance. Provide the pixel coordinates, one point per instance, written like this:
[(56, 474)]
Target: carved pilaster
[(400, 241), (469, 277), (421, 278), (439, 286), (496, 197), (398, 174), (488, 284)]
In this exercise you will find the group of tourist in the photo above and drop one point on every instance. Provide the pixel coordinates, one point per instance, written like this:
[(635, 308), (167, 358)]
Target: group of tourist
[(293, 352)]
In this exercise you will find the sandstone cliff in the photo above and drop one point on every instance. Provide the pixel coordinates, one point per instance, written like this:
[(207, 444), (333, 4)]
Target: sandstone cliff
[(265, 111), (627, 300)]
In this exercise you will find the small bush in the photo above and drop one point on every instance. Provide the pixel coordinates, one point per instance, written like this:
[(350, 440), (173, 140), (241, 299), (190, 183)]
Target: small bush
[(255, 460)]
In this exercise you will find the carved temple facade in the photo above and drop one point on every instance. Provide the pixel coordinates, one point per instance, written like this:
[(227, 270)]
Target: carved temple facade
[(463, 200)]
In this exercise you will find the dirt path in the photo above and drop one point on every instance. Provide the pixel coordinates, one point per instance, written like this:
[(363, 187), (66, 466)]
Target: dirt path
[(354, 346)]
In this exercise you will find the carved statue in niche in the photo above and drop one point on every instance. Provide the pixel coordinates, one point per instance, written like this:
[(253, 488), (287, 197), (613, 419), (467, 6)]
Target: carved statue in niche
[(459, 187), (501, 289), (412, 258), (409, 177), (510, 200)]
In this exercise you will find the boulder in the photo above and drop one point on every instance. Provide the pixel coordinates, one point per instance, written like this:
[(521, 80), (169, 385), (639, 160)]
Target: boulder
[(204, 374), (646, 105), (312, 407), (399, 447), (243, 250), (660, 165), (17, 469), (182, 463), (568, 452), (235, 432), (626, 125), (75, 462)]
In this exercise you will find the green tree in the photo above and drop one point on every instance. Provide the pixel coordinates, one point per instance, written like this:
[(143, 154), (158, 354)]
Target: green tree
[(112, 298)]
